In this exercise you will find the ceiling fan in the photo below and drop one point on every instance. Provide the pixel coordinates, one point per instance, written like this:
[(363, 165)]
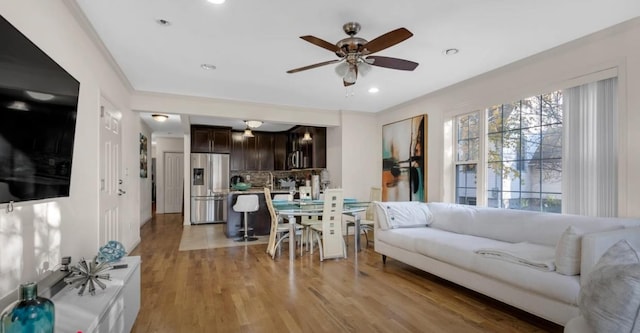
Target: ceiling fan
[(354, 53)]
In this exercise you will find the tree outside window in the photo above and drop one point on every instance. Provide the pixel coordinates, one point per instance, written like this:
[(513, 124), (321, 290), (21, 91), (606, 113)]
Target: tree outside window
[(523, 154)]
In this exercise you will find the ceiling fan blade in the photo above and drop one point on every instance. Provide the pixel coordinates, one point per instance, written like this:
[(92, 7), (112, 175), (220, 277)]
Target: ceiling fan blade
[(313, 66), (393, 63), (321, 42), (387, 40)]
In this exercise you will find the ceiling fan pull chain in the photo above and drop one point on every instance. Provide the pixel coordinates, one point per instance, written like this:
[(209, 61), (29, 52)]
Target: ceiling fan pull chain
[(349, 91)]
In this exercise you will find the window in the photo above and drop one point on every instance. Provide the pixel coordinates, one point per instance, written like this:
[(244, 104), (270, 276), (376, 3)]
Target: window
[(523, 142), (468, 143), (524, 154)]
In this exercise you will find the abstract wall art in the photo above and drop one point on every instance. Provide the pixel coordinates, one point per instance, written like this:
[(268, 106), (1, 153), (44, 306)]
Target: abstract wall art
[(404, 160), (143, 156)]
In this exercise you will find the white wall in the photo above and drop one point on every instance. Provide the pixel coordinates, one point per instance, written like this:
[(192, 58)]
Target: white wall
[(361, 154), (38, 233), (165, 145), (145, 183), (615, 47), (334, 156), (176, 104), (131, 128)]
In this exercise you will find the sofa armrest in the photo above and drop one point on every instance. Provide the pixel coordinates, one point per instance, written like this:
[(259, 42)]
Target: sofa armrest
[(594, 245)]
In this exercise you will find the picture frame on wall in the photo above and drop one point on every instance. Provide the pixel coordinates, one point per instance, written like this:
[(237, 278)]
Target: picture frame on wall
[(143, 156), (404, 160)]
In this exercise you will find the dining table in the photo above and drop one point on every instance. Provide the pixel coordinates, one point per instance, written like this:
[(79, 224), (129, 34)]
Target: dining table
[(290, 209)]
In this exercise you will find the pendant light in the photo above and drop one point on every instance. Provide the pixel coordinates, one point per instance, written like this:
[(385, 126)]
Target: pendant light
[(307, 136), (247, 133)]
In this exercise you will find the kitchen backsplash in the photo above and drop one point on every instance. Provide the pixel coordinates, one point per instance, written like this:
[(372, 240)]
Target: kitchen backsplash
[(261, 178)]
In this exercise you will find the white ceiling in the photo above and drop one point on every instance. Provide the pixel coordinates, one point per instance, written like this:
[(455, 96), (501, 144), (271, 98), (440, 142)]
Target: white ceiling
[(254, 42)]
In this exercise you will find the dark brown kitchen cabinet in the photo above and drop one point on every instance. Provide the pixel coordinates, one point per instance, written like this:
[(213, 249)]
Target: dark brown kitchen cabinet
[(264, 151), (236, 156), (319, 148), (251, 160), (280, 151), (252, 153), (313, 153), (208, 139)]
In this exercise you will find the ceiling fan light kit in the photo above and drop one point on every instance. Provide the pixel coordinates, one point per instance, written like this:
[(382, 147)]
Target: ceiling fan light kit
[(354, 53)]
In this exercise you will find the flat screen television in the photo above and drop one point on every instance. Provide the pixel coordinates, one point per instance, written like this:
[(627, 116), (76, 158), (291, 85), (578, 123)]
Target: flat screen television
[(38, 108)]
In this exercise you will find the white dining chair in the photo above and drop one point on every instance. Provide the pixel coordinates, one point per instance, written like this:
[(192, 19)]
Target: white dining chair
[(328, 234), (279, 231), (366, 224)]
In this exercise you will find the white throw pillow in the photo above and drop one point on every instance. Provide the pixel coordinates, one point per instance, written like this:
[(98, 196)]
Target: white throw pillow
[(568, 251), (406, 214), (380, 215), (610, 296)]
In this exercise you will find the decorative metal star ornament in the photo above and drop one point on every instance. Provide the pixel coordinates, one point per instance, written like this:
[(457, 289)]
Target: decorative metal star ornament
[(87, 274)]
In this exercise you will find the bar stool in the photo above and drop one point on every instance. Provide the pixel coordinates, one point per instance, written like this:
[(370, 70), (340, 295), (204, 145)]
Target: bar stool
[(245, 204)]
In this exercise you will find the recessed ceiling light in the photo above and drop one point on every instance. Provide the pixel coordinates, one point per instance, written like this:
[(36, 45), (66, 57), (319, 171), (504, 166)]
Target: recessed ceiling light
[(163, 22), (373, 90), (451, 51), (217, 2), (208, 66)]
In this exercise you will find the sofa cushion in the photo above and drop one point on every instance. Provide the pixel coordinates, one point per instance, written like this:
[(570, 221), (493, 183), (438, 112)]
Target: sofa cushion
[(568, 251), (404, 238), (610, 297), (516, 226), (458, 250), (407, 214), (452, 217)]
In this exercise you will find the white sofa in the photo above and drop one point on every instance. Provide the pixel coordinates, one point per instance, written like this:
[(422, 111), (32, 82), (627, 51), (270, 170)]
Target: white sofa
[(447, 248)]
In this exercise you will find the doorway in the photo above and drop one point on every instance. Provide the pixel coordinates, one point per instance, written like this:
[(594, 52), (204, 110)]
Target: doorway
[(153, 186), (111, 183), (173, 182)]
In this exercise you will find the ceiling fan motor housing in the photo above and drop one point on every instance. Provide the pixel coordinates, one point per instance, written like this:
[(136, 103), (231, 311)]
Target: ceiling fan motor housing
[(350, 45)]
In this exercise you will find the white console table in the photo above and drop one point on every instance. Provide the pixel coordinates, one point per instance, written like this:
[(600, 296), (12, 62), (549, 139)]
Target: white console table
[(113, 309)]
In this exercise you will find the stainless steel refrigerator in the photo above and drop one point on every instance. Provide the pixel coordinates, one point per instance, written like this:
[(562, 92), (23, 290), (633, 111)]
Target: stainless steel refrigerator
[(209, 188)]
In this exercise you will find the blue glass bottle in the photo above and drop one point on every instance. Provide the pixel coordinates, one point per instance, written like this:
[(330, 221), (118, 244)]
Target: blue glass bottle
[(31, 313)]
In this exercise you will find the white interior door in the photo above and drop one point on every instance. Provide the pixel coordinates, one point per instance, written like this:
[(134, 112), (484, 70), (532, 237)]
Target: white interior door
[(110, 175), (173, 182)]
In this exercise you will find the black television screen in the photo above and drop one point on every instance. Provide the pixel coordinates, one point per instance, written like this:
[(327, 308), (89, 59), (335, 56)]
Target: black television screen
[(38, 107)]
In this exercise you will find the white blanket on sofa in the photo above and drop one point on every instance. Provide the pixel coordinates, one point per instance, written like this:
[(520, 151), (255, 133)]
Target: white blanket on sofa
[(532, 255)]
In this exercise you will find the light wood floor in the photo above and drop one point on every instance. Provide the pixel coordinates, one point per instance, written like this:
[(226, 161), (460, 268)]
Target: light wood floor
[(241, 289)]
